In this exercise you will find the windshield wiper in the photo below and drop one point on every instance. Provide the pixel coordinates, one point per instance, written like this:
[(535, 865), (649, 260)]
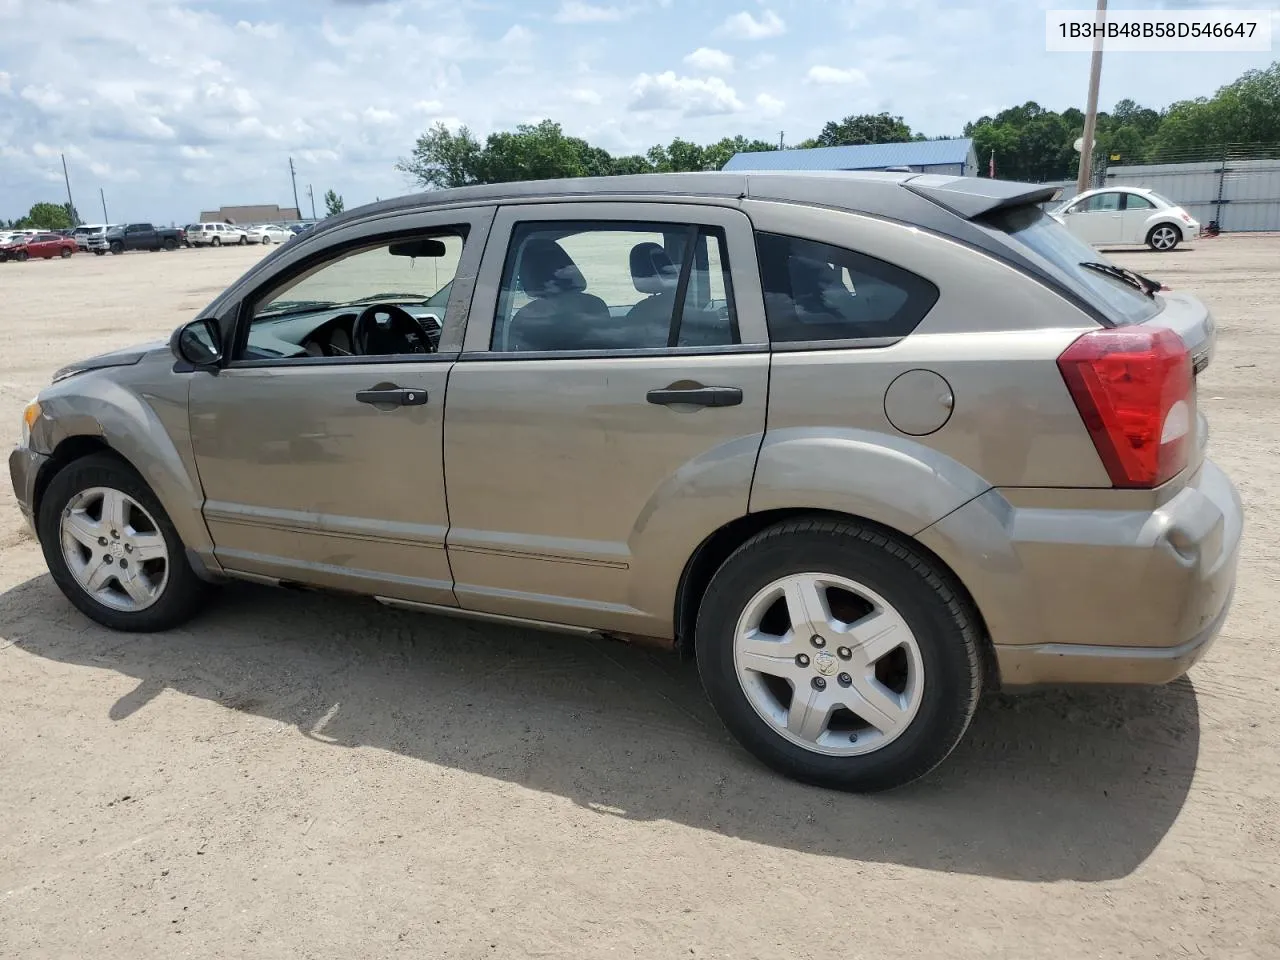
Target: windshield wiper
[(297, 306), (1131, 277), (389, 297)]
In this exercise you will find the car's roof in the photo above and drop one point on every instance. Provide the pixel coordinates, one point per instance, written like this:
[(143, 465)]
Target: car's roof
[(894, 195)]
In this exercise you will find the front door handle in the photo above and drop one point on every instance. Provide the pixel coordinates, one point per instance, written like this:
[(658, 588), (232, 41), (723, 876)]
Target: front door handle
[(696, 396), (393, 396)]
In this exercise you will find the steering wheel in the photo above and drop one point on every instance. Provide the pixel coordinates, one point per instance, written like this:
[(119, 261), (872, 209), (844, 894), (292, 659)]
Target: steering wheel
[(399, 332)]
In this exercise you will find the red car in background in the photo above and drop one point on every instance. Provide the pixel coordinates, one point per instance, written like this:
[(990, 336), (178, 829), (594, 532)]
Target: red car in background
[(43, 245)]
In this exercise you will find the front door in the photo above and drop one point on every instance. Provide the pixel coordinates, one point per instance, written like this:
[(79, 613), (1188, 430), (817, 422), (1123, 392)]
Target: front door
[(607, 409), (319, 445), (1096, 219)]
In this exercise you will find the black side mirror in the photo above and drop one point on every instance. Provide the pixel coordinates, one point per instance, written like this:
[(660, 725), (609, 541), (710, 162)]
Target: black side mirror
[(198, 343)]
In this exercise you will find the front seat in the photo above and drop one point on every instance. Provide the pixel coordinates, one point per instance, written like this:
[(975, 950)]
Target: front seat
[(561, 316), (652, 272)]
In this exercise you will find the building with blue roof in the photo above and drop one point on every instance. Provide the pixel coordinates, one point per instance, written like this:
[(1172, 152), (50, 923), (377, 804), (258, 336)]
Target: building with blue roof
[(955, 157)]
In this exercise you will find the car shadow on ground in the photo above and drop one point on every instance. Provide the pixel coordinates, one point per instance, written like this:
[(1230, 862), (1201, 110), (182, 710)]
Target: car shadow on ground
[(1076, 785)]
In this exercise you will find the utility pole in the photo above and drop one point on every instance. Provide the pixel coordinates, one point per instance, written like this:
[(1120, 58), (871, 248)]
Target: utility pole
[(294, 177), (1091, 109), (781, 135), (71, 207), (312, 197), (103, 196)]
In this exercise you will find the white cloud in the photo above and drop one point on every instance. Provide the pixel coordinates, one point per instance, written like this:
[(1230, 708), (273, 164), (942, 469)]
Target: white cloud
[(836, 75), (744, 26), (586, 95), (428, 106), (194, 153), (576, 11), (710, 60), (769, 105), (267, 31), (517, 36), (692, 96), (6, 83), (46, 98), (378, 115)]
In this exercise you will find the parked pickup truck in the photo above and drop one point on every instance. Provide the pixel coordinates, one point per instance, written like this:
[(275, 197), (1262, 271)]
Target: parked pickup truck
[(136, 236)]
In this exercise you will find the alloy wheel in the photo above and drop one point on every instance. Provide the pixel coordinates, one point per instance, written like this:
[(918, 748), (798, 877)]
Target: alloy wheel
[(1163, 238), (829, 664), (114, 549)]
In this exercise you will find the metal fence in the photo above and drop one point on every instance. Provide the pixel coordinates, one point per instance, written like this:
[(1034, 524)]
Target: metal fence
[(1239, 191)]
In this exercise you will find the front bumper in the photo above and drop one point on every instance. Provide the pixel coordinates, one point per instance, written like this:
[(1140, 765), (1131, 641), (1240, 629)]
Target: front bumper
[(1074, 595), (24, 467)]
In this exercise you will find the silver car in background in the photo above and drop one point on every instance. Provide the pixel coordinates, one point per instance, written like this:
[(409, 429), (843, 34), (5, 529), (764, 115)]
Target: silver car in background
[(865, 445)]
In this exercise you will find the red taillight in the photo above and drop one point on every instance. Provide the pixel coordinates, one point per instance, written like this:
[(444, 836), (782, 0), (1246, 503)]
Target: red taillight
[(1133, 388)]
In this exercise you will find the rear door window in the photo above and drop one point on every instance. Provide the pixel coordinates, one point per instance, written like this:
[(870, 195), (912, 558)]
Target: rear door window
[(817, 293)]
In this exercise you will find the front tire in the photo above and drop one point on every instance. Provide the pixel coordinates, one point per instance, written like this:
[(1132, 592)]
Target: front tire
[(839, 655), (113, 551), (99, 253), (65, 253), (1163, 237), (117, 248), (244, 238), (21, 256), (215, 242), (170, 243)]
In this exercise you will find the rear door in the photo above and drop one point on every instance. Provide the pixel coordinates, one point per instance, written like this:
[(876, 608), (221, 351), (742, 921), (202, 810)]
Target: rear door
[(1136, 210), (607, 409)]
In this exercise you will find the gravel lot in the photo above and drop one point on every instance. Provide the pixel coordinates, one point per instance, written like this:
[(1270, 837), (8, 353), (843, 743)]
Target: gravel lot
[(297, 776)]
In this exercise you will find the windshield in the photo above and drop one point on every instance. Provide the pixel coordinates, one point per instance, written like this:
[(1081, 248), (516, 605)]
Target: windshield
[(1050, 241)]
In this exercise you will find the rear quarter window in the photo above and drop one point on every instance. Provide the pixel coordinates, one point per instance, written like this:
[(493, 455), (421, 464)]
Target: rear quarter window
[(817, 293)]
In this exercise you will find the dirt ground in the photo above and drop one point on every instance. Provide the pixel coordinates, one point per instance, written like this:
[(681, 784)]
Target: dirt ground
[(294, 776)]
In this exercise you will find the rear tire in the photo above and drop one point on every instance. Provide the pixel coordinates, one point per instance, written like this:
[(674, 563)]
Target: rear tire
[(244, 238), (170, 243), (21, 256), (172, 591), (1163, 237), (215, 242), (266, 241), (887, 718), (117, 248)]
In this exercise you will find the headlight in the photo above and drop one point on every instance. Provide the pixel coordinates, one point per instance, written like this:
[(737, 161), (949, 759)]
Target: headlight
[(29, 417)]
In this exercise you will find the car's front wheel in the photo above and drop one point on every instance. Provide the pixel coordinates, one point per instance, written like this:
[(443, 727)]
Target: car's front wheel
[(21, 256), (66, 252), (265, 240), (1163, 237), (112, 549), (117, 248), (244, 238), (839, 655)]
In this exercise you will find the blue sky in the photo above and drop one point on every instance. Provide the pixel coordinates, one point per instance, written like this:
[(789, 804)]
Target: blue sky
[(172, 106)]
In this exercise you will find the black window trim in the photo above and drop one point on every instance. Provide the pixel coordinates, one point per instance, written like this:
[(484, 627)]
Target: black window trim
[(243, 315), (697, 230), (843, 343)]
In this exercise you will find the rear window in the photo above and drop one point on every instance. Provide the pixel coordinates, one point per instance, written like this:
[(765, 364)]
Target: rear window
[(815, 292), (1048, 240)]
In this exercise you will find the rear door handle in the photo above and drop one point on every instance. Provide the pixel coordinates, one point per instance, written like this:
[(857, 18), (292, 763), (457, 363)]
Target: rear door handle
[(393, 396), (697, 396)]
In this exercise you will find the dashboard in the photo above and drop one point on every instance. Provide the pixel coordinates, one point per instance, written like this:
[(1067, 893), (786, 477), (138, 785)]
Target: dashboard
[(328, 332)]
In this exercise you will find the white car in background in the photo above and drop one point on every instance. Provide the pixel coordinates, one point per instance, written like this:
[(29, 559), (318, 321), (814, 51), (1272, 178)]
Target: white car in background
[(269, 233), (1116, 216), (215, 234)]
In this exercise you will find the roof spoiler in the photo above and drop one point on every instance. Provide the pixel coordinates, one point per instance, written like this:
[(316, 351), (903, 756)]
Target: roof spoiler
[(973, 197)]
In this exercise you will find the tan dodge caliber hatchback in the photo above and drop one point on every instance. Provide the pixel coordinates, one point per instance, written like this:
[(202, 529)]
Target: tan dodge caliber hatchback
[(864, 444)]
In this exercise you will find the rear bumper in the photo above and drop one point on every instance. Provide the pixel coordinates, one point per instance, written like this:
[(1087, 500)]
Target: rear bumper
[(1098, 596)]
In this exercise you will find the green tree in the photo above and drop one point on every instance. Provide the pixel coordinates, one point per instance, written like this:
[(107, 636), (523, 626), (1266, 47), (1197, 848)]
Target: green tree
[(443, 159), (1246, 111), (46, 216), (864, 128), (333, 203)]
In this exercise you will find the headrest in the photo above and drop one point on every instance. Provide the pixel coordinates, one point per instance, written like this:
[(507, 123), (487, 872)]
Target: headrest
[(652, 270), (546, 269)]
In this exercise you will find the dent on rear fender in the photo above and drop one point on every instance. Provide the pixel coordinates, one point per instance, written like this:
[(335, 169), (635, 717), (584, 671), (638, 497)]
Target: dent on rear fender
[(146, 423), (892, 480)]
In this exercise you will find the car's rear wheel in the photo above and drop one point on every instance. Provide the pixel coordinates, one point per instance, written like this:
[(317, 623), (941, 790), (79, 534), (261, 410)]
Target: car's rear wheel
[(66, 252), (170, 243), (265, 239), (117, 248), (244, 238), (215, 242), (1163, 237), (839, 655), (112, 549), (21, 256)]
